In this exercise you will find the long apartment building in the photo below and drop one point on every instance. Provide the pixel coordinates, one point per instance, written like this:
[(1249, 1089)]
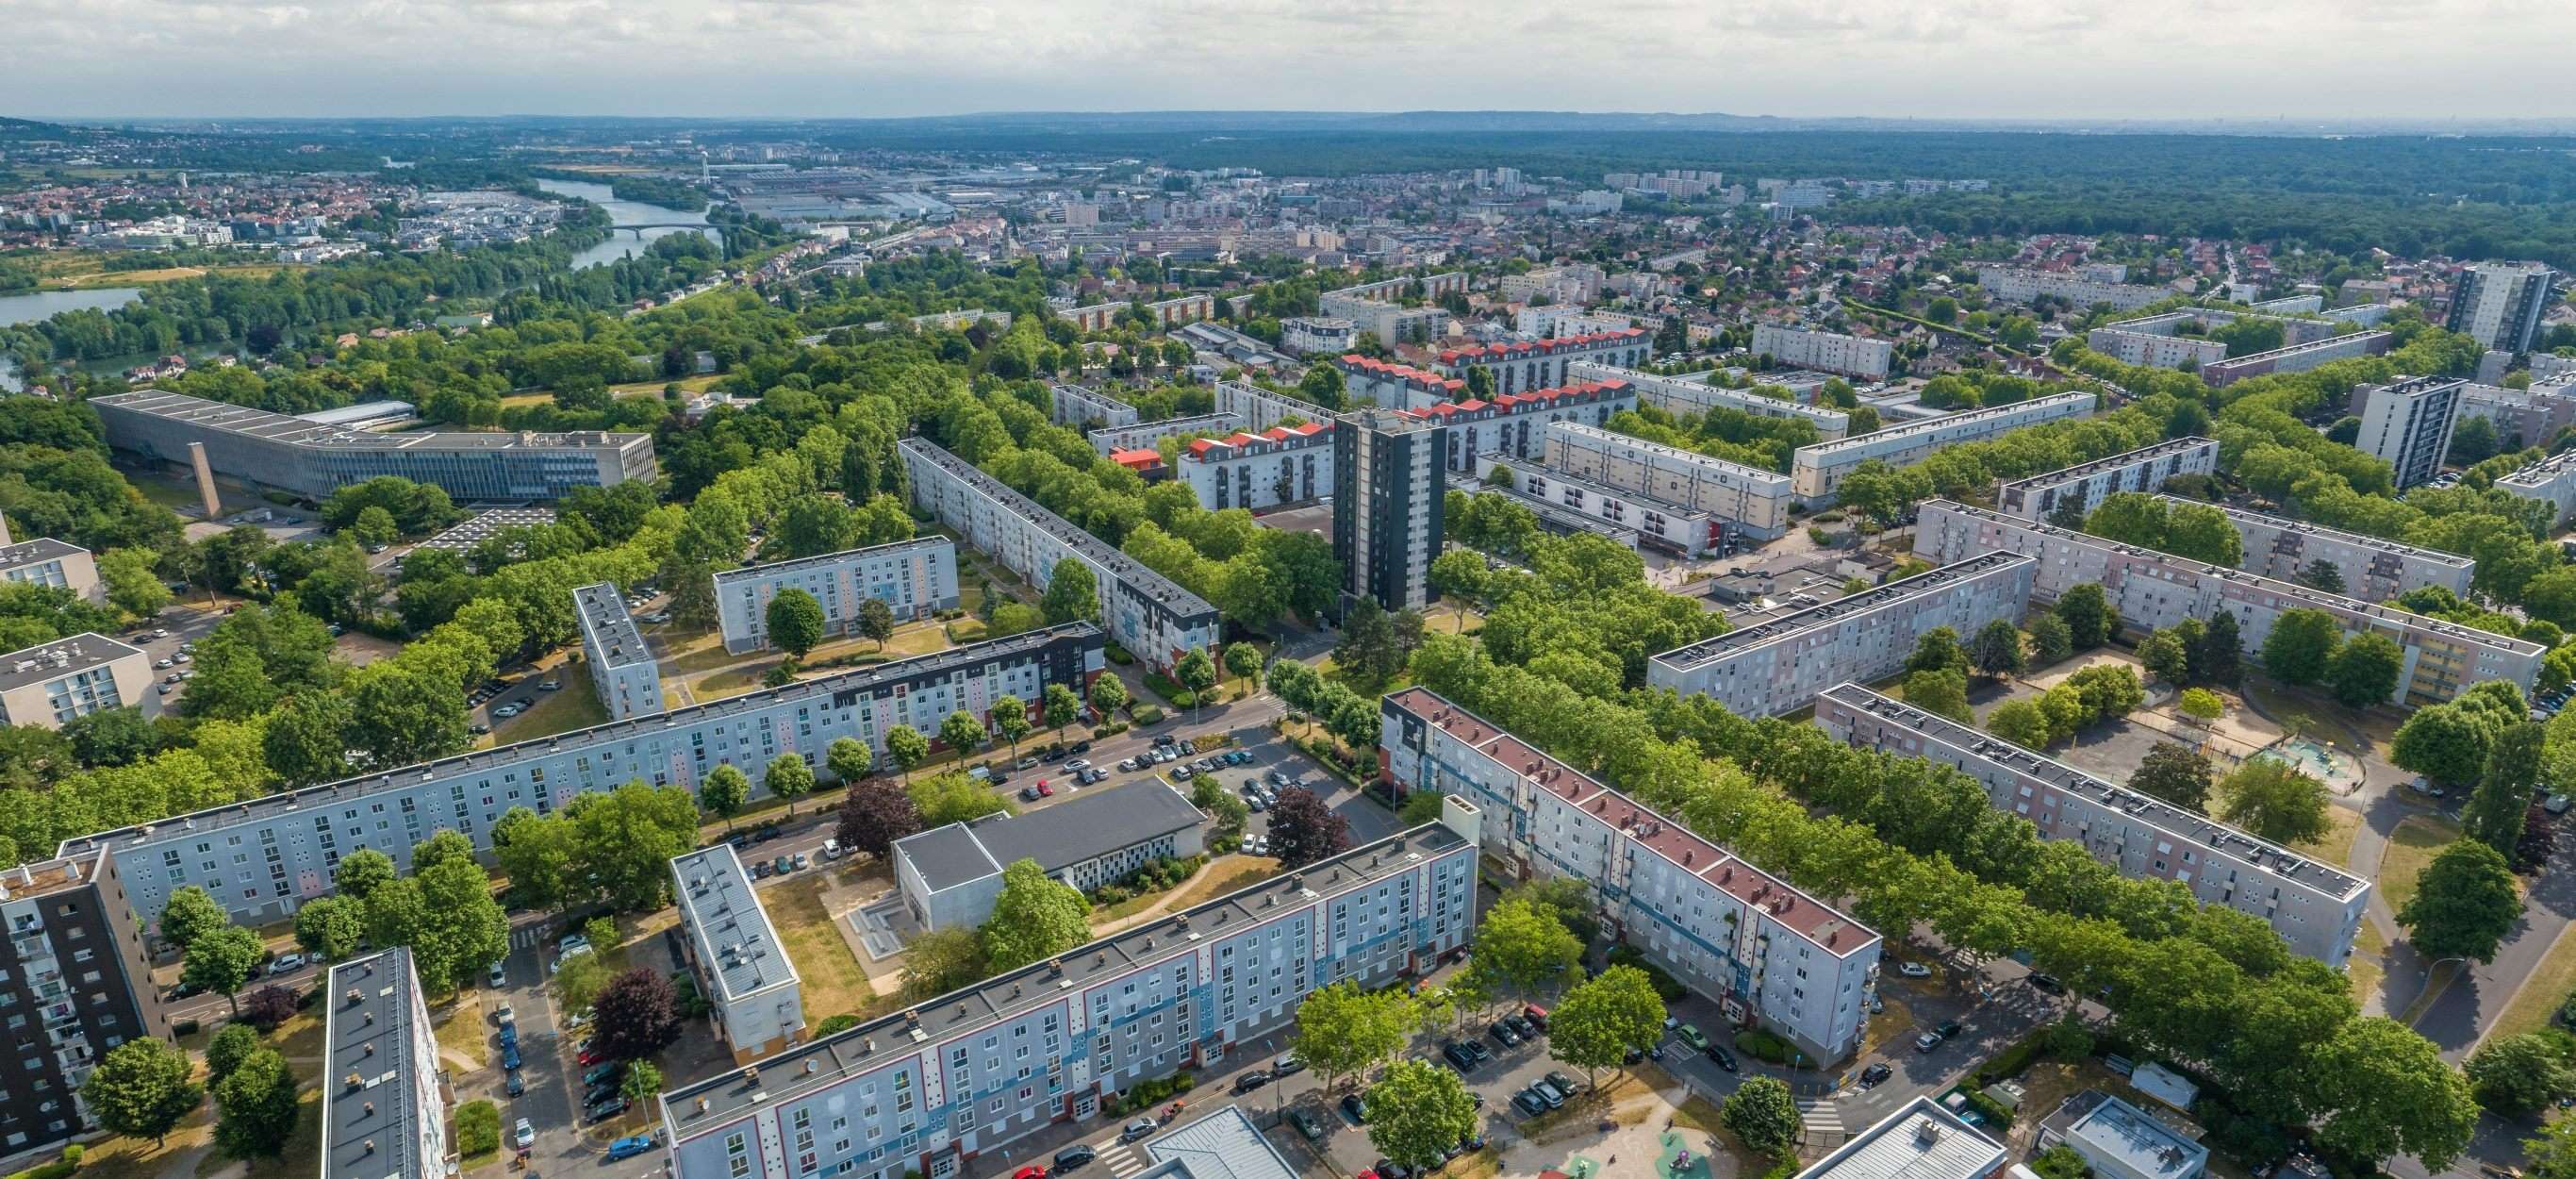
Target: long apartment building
[(623, 673), (754, 999), (1816, 472), (1073, 405), (1517, 423), (2296, 358), (2373, 569), (1377, 307), (314, 459), (2152, 590), (1767, 952), (49, 562), (1393, 385), (1109, 440), (1682, 395), (914, 578), (53, 684), (2017, 284), (2551, 480), (1779, 664), (77, 983), (1254, 408), (264, 857), (1568, 504), (2317, 909), (1518, 365), (1749, 500), (2082, 486), (1280, 465), (1832, 352), (1145, 612), (2170, 339), (935, 1087), (2523, 417), (384, 1106), (1100, 317), (1556, 518)]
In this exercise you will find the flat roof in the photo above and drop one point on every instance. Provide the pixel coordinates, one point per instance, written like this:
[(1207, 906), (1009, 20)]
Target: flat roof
[(1222, 1144), (1920, 1140), (1781, 627), (1606, 438), (52, 661), (774, 568), (2117, 1129), (2286, 524), (609, 626), (275, 427), (735, 938), (1946, 421), (2544, 471), (2111, 463), (2253, 358), (1785, 407), (486, 525), (1551, 513), (1099, 552), (816, 1064), (370, 1116), (1084, 827), (31, 552)]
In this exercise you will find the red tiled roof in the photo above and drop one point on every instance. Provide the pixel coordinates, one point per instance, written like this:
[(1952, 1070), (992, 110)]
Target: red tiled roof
[(1136, 458)]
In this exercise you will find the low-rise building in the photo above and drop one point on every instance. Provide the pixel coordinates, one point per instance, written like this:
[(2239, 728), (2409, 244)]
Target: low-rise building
[(1074, 405), (1782, 663), (2551, 480), (1816, 472), (1556, 518), (2015, 284), (2317, 909), (1921, 1140), (754, 998), (2296, 358), (76, 967), (949, 876), (1567, 504), (2521, 417), (914, 578), (1539, 364), (1280, 465), (2081, 487), (52, 684), (1109, 440), (1833, 352), (384, 1105), (2370, 568), (1749, 500), (1221, 1144), (1768, 953), (1689, 395), (623, 672), (2120, 1141), (49, 562)]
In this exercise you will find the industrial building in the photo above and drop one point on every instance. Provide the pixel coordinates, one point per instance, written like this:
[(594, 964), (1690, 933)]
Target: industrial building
[(754, 998), (2372, 569), (623, 671), (914, 578), (1748, 500), (1815, 472), (384, 1104), (52, 684), (2082, 487), (1683, 395), (949, 876)]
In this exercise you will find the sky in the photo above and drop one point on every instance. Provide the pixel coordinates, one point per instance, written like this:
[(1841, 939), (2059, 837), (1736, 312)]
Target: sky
[(2073, 59)]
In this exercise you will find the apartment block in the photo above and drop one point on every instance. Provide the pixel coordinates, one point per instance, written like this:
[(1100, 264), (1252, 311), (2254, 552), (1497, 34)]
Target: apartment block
[(1367, 380), (1923, 1139), (1378, 308), (2373, 569), (950, 876), (49, 562), (1517, 423), (77, 982), (1750, 500), (313, 459), (1567, 504), (1387, 504), (1556, 518), (914, 578), (2015, 284), (1519, 365), (384, 1106), (1109, 440), (1073, 405), (2296, 358), (1143, 611), (1832, 352), (1768, 953), (2409, 424), (2082, 486), (264, 857), (1686, 395), (2500, 304), (1251, 407), (2522, 417), (1815, 472), (52, 684), (1781, 663), (935, 1087), (1280, 465), (1315, 335), (622, 669), (2317, 909), (2130, 345), (2152, 590), (754, 999), (1100, 317)]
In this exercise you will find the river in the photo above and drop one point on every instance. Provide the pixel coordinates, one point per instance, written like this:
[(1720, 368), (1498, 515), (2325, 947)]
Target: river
[(30, 306), (620, 212)]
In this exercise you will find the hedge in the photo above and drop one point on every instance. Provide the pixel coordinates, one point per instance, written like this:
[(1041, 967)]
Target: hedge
[(478, 1128), (1763, 1046), (1118, 654), (1146, 714), (2010, 1062), (60, 1168), (838, 1023)]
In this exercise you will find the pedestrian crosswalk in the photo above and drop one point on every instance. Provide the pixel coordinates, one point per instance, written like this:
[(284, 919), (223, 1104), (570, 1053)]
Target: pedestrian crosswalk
[(1124, 1159), (1824, 1122), (527, 937)]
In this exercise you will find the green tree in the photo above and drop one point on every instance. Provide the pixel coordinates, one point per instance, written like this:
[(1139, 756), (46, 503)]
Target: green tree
[(232, 1044), (1938, 650), (2021, 722), (876, 620), (306, 739), (374, 526), (626, 838), (724, 792), (1996, 650), (906, 747), (1072, 593), (2552, 1155), (2302, 646), (578, 980), (940, 961), (2174, 773), (2364, 670), (963, 733), (2051, 640), (189, 914), (1343, 1031), (1417, 1112), (848, 760), (642, 1084), (462, 930), (1942, 692), (1197, 673), (2200, 704), (2464, 903), (221, 960), (1035, 917), (1763, 1114), (1524, 948), (258, 1107), (362, 872), (537, 853), (795, 622), (2165, 658), (2514, 1075), (133, 584), (2273, 800), (1011, 720), (1458, 575), (1243, 661), (2090, 620), (2203, 533), (1063, 708), (2322, 574), (143, 1088), (2495, 809), (2390, 1093), (1603, 1019), (1108, 695), (330, 927), (2446, 742), (942, 799), (788, 777)]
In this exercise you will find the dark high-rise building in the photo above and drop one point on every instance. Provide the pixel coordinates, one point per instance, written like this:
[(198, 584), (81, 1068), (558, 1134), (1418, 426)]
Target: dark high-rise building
[(1387, 490), (74, 983)]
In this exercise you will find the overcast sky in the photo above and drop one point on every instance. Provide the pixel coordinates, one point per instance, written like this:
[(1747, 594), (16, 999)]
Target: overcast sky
[(2086, 59)]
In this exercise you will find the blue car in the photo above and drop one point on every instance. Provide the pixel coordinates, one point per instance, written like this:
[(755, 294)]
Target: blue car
[(629, 1147), (509, 1056), (509, 1035)]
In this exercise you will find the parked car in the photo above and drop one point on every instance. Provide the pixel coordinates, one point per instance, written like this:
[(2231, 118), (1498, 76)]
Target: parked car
[(1477, 1049), (1307, 1126), (1031, 1171), (1354, 1108), (1947, 1028), (1529, 1103), (602, 1110), (2047, 983), (2558, 804), (1690, 1034), (1139, 1128), (1536, 1015), (629, 1146), (550, 685), (1876, 1072), (1913, 970), (1503, 1033), (1074, 1156), (1548, 1094), (1028, 794), (524, 1134), (1718, 1055), (1564, 1084), (513, 1085), (286, 964), (509, 1054), (498, 976), (601, 1073), (1459, 1057), (1246, 1082), (503, 1014), (1286, 1063), (510, 1034), (1927, 1041), (1521, 1024)]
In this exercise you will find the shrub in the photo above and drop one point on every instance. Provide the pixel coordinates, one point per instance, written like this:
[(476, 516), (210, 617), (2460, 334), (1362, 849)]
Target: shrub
[(2059, 1162), (2010, 1062), (1667, 988), (1146, 714), (268, 1007), (838, 1023), (1118, 655), (1762, 1045), (478, 1128)]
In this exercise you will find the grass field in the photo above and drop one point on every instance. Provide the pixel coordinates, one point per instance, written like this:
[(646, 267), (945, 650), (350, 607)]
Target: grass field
[(2542, 992), (461, 1030), (84, 271), (2335, 846), (574, 706), (2411, 847), (830, 977)]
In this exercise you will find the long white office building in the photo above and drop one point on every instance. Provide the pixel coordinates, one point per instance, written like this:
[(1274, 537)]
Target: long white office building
[(1769, 953), (1750, 500), (1832, 352), (264, 857), (1682, 395), (1779, 664), (1815, 472), (2373, 569), (914, 578), (1074, 405), (1145, 612), (2551, 480), (2317, 909), (2083, 486), (2016, 284), (2152, 590)]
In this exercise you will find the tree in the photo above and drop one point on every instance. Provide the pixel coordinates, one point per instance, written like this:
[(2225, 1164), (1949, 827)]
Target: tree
[(2322, 574), (258, 1107), (307, 738), (2552, 1155), (578, 980), (1342, 1030), (1072, 593), (2389, 1093), (2051, 641), (1418, 1112), (875, 620), (643, 1083), (2301, 646), (795, 622), (2174, 773), (232, 1044), (2365, 670), (456, 929), (1035, 917), (537, 854), (330, 927), (1763, 1114), (2514, 1075), (1524, 948), (2201, 532), (374, 526), (906, 747), (268, 1008), (1243, 661), (132, 584), (1996, 650), (723, 792), (1197, 673), (940, 961), (143, 1088), (874, 815), (2494, 812), (2200, 704), (2090, 620), (2273, 800), (442, 846), (788, 777), (221, 960), (2165, 658), (2218, 657), (848, 760), (2446, 742), (1011, 720), (1942, 692), (626, 838), (1108, 695), (189, 914), (1938, 650), (1304, 830), (1458, 575), (2020, 722), (2464, 903), (361, 873), (1062, 707), (637, 1014), (1603, 1019)]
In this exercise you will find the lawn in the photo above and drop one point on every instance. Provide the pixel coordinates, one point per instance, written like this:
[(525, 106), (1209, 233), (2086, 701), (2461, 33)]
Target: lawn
[(574, 706), (2531, 1007), (461, 1030), (2335, 846), (2411, 848), (1219, 877), (829, 976)]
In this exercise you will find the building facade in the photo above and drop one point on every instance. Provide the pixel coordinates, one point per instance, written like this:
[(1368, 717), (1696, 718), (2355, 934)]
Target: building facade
[(2522, 417), (2408, 424), (1816, 472), (2551, 480), (1770, 954), (384, 1105), (753, 996), (1518, 423), (1518, 365), (2315, 908), (1567, 504), (1314, 335), (949, 876), (1109, 440), (1073, 405), (1749, 500), (313, 460), (2372, 569), (2151, 590), (1145, 612), (623, 672), (1681, 395), (1780, 664), (1388, 496), (2296, 358), (1368, 380), (2500, 304), (263, 858), (1251, 407), (914, 578), (53, 684), (1280, 465), (2015, 284), (1832, 352), (49, 562), (77, 983), (2082, 486)]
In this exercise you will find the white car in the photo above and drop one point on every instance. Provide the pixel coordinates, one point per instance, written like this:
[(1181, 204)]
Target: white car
[(498, 976), (525, 1135), (2558, 804), (1913, 970), (286, 964)]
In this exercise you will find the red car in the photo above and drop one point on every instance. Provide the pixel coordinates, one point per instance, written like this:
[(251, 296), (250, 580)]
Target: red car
[(1044, 791), (1031, 1171), (590, 1056)]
